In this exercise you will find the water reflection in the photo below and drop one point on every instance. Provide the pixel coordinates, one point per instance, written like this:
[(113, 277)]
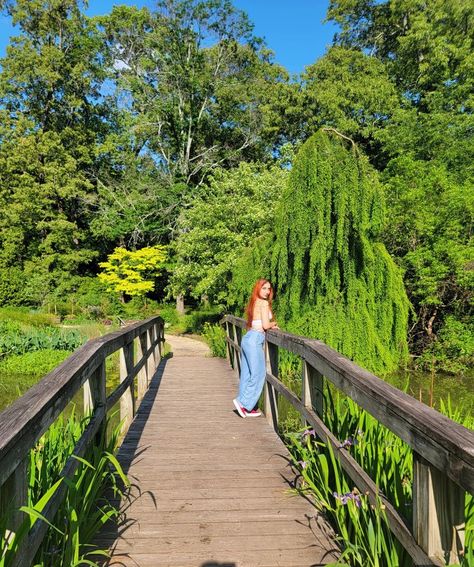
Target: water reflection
[(432, 388)]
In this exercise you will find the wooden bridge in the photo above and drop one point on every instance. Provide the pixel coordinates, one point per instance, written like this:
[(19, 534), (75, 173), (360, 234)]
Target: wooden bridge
[(213, 490)]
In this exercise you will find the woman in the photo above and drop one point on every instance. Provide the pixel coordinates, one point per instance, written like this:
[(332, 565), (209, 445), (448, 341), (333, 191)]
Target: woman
[(252, 360)]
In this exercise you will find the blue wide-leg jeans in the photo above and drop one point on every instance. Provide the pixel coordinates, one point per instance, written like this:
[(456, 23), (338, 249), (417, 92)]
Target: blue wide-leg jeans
[(252, 369)]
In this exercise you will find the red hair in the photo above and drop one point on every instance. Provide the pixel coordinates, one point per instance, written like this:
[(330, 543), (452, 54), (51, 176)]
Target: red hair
[(253, 298)]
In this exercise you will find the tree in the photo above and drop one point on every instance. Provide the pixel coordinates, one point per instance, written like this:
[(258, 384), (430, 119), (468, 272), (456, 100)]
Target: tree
[(222, 220), (427, 50), (132, 273), (334, 278), (427, 45), (350, 91), (50, 123), (192, 77), (433, 242)]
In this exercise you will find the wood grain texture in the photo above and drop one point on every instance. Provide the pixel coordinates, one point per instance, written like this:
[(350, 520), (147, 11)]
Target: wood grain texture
[(445, 444), (209, 488)]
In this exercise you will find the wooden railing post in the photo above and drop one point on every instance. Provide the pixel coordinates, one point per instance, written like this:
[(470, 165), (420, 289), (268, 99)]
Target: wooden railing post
[(270, 395), (13, 494), (142, 378), (157, 349), (312, 389), (232, 353), (160, 329), (438, 513), (94, 390), (229, 348), (95, 396), (151, 360), (237, 354), (127, 401)]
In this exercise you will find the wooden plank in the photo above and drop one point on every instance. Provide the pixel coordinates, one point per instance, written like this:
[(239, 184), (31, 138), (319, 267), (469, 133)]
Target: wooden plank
[(270, 402), (210, 478), (127, 400), (312, 384), (13, 494), (142, 375), (151, 368), (438, 513)]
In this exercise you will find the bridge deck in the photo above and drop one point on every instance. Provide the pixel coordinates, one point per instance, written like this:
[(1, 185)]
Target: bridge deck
[(210, 489)]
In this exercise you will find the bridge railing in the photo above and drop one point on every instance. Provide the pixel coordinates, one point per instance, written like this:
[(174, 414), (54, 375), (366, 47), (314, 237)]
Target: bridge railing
[(25, 421), (443, 451)]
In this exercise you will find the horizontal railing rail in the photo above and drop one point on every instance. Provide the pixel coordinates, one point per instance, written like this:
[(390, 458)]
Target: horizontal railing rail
[(443, 450), (28, 418)]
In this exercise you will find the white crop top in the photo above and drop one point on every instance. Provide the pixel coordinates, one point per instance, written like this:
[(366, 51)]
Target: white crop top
[(257, 323)]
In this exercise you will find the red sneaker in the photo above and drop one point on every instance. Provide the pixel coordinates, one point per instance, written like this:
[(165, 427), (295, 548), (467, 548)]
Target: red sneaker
[(253, 413), (240, 409)]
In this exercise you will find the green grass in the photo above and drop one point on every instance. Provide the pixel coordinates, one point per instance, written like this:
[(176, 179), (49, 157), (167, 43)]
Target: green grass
[(27, 317), (215, 338)]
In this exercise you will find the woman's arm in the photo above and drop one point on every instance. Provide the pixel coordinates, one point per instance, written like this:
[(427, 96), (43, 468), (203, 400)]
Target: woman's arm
[(264, 312)]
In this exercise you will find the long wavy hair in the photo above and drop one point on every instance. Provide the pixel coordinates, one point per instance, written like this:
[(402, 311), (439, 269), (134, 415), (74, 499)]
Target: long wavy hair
[(253, 298)]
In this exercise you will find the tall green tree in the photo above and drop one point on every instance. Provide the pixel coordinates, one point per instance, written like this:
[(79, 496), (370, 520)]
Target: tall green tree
[(192, 77), (352, 92), (334, 277), (234, 210), (427, 44), (427, 49), (51, 121)]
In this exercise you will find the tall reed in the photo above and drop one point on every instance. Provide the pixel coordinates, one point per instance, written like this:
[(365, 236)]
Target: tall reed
[(362, 529), (97, 482)]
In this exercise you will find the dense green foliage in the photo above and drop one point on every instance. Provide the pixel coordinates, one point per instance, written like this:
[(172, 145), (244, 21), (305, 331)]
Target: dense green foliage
[(226, 217), (215, 337), (18, 339), (334, 277), (35, 363), (169, 125), (427, 155)]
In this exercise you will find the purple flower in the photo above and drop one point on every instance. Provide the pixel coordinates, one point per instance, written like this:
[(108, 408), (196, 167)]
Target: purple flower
[(345, 498), (308, 433), (303, 464), (348, 442)]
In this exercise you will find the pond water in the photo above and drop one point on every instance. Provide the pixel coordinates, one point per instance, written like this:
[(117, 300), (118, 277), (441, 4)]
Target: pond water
[(423, 386), (14, 385), (432, 388)]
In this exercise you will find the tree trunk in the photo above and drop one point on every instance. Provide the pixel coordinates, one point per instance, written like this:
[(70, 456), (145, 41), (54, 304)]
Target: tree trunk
[(180, 304)]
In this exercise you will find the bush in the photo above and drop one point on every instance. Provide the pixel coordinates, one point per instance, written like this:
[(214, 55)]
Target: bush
[(196, 320), (14, 339), (215, 338), (12, 286), (36, 363), (169, 313)]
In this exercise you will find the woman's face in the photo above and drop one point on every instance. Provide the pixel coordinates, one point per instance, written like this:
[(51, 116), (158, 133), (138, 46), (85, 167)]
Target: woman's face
[(265, 290)]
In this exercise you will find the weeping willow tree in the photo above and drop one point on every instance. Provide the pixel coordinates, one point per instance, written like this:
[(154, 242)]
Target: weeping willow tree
[(334, 278)]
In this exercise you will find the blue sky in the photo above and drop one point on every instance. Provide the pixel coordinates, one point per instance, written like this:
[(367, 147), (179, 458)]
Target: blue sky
[(294, 30)]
